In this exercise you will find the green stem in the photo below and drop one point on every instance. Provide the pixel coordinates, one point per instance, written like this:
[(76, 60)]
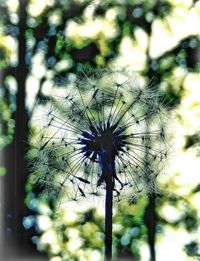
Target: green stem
[(108, 172), (108, 222)]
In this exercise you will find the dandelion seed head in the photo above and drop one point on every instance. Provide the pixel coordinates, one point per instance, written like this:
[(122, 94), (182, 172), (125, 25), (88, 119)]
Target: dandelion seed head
[(102, 113)]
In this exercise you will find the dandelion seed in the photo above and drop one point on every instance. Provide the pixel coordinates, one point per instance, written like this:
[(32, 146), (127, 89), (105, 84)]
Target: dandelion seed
[(102, 132)]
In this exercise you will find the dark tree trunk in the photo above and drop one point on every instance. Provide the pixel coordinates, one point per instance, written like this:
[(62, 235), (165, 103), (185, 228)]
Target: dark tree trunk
[(14, 180), (15, 238), (21, 129)]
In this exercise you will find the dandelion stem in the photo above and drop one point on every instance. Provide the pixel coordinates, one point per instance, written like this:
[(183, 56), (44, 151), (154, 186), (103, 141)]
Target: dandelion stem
[(108, 222), (108, 170)]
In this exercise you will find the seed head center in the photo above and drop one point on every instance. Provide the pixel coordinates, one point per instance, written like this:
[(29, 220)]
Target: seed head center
[(109, 140)]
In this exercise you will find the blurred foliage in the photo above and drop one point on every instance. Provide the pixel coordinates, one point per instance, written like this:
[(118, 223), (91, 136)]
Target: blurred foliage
[(69, 36), (6, 123), (75, 231)]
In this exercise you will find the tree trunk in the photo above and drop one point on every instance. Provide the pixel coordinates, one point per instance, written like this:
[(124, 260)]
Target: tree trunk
[(15, 236)]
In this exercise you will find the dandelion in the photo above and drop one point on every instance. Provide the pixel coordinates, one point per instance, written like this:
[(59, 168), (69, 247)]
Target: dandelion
[(102, 132)]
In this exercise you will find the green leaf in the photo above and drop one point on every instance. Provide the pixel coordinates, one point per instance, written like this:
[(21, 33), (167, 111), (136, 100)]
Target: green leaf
[(2, 171), (196, 189)]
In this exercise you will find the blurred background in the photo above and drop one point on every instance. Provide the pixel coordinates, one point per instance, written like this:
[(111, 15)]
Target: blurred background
[(46, 40)]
